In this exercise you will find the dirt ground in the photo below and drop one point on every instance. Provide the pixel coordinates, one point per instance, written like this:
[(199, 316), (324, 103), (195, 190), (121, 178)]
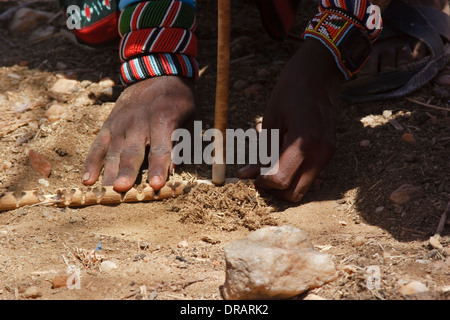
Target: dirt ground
[(173, 249)]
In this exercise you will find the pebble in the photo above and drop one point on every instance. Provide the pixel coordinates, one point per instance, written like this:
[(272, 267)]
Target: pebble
[(408, 138), (108, 266), (39, 163), (26, 20), (435, 242), (254, 90), (44, 182), (364, 143), (183, 244), (33, 293), (412, 288), (106, 82), (239, 85), (64, 86), (59, 280), (444, 80), (42, 33), (5, 165), (274, 263), (55, 113), (405, 193)]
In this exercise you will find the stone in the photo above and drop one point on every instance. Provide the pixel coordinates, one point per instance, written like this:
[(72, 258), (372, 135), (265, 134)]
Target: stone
[(364, 143), (405, 193), (32, 293), (183, 244), (444, 80), (39, 163), (408, 138), (5, 165), (59, 280), (435, 242), (42, 33), (239, 85), (64, 86), (108, 266), (55, 113), (44, 182), (106, 82), (412, 288), (26, 20), (274, 263)]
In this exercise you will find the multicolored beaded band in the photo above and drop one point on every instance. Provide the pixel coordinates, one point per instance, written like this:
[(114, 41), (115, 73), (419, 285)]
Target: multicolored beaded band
[(362, 10), (125, 3), (156, 65), (347, 29), (331, 28), (158, 40), (157, 14)]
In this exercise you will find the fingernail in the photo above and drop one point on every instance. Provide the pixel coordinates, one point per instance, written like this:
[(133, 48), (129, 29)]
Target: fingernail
[(122, 180), (86, 176), (155, 179)]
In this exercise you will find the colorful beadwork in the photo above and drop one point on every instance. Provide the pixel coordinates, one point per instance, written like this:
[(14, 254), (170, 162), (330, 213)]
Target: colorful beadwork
[(337, 22), (157, 14), (155, 65), (158, 40), (125, 3), (360, 10)]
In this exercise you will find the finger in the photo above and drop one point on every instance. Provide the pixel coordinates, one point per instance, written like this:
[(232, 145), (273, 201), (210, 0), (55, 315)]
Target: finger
[(289, 163), (159, 157), (304, 178), (94, 160), (131, 159), (249, 172), (112, 161), (253, 170)]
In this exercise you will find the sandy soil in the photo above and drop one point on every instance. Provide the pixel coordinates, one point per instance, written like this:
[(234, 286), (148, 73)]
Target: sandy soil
[(173, 249)]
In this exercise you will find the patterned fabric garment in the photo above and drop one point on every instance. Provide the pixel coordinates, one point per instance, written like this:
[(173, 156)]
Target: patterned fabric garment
[(92, 21)]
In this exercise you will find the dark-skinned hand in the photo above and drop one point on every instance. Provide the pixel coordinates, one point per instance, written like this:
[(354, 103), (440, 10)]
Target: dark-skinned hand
[(145, 114), (303, 107)]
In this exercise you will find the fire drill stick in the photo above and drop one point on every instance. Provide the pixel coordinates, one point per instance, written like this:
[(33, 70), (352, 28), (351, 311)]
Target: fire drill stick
[(221, 106)]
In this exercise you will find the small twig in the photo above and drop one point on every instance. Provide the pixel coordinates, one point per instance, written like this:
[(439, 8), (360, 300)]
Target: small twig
[(188, 283), (427, 105), (443, 220), (54, 17)]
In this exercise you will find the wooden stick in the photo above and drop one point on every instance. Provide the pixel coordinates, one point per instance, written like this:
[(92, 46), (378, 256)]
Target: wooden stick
[(78, 197), (427, 105), (443, 220), (221, 107)]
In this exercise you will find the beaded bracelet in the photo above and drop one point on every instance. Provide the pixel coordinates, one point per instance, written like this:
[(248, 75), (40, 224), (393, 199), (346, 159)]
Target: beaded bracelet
[(345, 31), (125, 3), (154, 14), (362, 10), (155, 65), (158, 40)]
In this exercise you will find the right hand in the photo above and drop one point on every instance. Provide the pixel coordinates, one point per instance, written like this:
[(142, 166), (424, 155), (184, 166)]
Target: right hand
[(145, 114)]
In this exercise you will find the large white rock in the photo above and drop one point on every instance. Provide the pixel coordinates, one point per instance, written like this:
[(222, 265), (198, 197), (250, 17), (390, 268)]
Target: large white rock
[(274, 263)]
